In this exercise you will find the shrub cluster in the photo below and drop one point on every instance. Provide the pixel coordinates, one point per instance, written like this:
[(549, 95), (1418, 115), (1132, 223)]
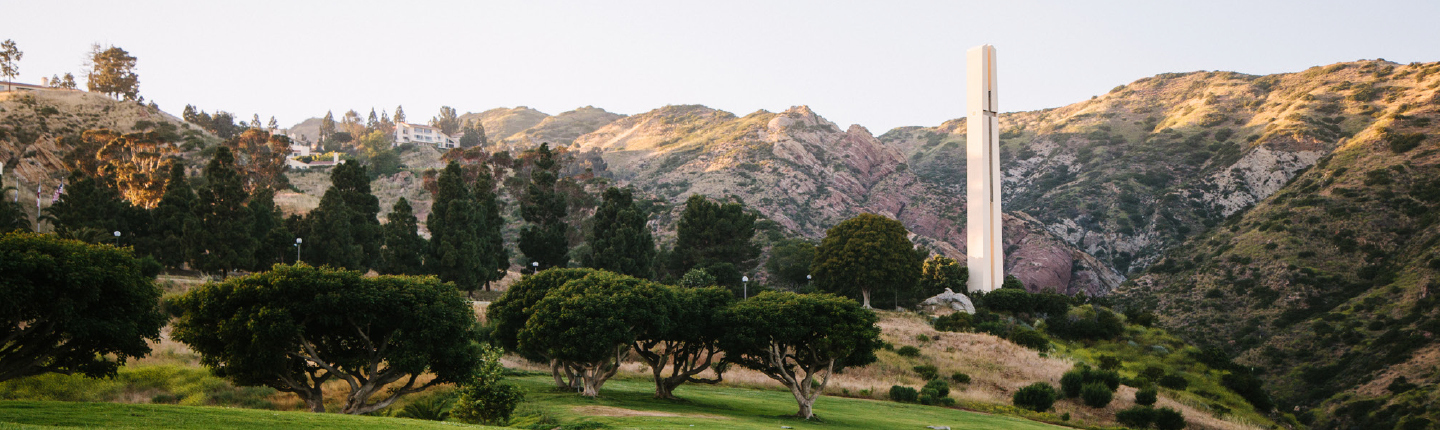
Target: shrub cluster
[(1146, 396), (1074, 381), (1096, 394), (1085, 322), (936, 392), (956, 322), (1018, 301), (927, 372), (1141, 417), (908, 351), (1038, 397), (901, 393)]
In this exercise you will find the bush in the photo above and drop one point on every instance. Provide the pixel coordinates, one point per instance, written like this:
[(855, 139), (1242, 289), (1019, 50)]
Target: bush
[(1109, 363), (936, 392), (1146, 396), (956, 322), (1174, 381), (433, 408), (1169, 419), (908, 351), (1030, 339), (927, 372), (485, 399), (1136, 417), (960, 378), (941, 387), (1074, 381), (1038, 397), (901, 393), (1085, 323), (1096, 395), (1071, 382)]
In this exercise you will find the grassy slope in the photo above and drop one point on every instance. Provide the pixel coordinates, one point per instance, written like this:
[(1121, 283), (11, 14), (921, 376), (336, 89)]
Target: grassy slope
[(120, 416)]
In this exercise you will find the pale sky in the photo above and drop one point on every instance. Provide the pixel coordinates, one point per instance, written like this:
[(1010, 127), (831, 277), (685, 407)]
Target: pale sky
[(880, 64)]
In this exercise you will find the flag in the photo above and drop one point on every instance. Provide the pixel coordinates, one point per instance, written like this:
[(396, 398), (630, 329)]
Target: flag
[(58, 191)]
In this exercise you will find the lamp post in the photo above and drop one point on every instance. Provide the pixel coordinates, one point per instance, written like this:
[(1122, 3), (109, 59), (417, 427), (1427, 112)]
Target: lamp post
[(297, 249), (534, 267), (807, 283), (745, 289), (117, 238)]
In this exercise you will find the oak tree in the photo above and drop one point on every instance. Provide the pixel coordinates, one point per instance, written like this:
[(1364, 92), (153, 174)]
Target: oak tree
[(866, 254)]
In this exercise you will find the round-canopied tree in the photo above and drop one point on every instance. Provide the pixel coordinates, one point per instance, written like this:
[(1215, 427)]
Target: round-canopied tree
[(865, 254), (690, 343), (71, 307), (592, 322), (941, 272), (800, 340), (619, 239), (508, 315), (296, 327)]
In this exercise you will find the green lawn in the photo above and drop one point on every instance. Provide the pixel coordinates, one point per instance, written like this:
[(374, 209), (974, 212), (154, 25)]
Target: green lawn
[(710, 407), (34, 415)]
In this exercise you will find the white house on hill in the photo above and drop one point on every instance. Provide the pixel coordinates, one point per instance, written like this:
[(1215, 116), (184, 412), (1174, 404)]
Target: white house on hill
[(415, 133)]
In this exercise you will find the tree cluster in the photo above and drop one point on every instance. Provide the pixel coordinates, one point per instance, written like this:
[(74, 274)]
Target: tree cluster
[(584, 322)]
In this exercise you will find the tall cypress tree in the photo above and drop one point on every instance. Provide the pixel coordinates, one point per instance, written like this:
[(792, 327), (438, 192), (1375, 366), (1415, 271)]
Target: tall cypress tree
[(619, 239), (88, 203), (352, 185), (495, 259), (224, 241), (329, 240), (272, 239), (454, 251), (404, 248), (710, 234), (175, 222), (543, 241)]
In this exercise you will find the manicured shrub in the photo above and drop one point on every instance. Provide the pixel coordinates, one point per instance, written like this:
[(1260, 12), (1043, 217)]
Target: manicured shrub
[(908, 351), (1038, 397), (1169, 419), (1146, 396), (1096, 395), (927, 372), (960, 378), (1174, 381), (936, 392), (1030, 339), (940, 386), (1072, 382), (901, 393), (956, 322), (1138, 417)]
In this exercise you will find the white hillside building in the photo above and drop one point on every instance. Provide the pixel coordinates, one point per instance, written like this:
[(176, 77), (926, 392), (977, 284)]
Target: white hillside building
[(415, 133)]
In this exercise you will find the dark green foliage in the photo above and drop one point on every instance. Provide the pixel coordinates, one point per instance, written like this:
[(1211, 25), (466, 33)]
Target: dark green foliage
[(1074, 381), (508, 314), (329, 241), (485, 398), (927, 371), (908, 351), (956, 322), (1012, 283), (866, 254), (494, 257), (1137, 417), (404, 248), (1109, 362), (1018, 301), (544, 239), (89, 203), (1029, 338), (592, 321), (295, 327), (619, 239), (175, 222), (455, 254), (1085, 322), (790, 260), (936, 392), (1037, 397), (272, 240), (1096, 394), (72, 307), (689, 343), (1400, 385), (697, 278), (1146, 396), (1173, 381), (431, 408), (1402, 142), (12, 216), (224, 240), (901, 393), (960, 378), (1245, 384), (710, 233), (793, 338), (352, 183), (1169, 419)]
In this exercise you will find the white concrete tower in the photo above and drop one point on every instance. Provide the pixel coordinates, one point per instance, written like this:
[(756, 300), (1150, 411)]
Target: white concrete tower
[(985, 253)]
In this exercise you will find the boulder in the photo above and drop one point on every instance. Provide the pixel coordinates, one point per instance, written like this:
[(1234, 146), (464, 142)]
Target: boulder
[(953, 300)]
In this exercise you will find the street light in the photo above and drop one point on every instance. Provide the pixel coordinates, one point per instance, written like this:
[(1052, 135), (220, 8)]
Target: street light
[(297, 250), (745, 281), (117, 238), (534, 267)]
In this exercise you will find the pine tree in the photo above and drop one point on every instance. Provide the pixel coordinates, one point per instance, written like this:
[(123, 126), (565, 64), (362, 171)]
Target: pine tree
[(448, 121), (175, 222), (404, 248), (454, 250), (544, 240), (619, 240), (255, 121), (353, 183), (272, 239), (329, 240), (399, 114), (273, 125), (373, 122), (327, 126), (495, 259), (710, 233), (223, 239), (93, 204)]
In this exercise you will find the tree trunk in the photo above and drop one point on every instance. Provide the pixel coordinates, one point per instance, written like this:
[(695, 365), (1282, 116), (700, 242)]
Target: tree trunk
[(805, 408), (865, 294), (560, 382), (315, 401)]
